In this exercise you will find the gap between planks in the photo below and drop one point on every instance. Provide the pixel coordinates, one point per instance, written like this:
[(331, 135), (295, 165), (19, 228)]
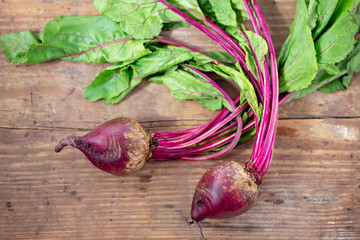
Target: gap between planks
[(148, 124)]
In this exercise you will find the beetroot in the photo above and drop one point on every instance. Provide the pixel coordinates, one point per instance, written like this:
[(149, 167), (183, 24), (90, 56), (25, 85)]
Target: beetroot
[(119, 146), (225, 190)]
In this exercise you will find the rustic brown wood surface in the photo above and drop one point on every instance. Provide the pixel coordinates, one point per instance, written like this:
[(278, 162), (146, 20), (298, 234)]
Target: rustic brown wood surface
[(312, 190)]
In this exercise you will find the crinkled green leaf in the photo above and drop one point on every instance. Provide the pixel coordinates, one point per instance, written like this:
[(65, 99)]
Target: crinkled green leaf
[(188, 85), (258, 44), (76, 38), (220, 10), (189, 7), (141, 27), (114, 83), (142, 19), (297, 58), (139, 19)]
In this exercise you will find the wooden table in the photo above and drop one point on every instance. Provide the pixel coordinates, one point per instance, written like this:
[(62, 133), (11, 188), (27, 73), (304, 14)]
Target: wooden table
[(312, 190)]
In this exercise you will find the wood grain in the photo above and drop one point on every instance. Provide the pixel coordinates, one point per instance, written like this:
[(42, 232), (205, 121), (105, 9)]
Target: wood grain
[(312, 190)]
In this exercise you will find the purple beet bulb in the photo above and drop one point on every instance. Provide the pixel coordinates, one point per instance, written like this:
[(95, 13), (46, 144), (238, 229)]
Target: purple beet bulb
[(119, 146)]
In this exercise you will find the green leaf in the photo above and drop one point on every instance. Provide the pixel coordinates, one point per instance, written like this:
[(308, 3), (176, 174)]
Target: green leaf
[(246, 88), (325, 9), (329, 68), (297, 58), (312, 12), (16, 45), (108, 83), (162, 58), (220, 10), (258, 48), (115, 82), (338, 39), (116, 51), (333, 86), (223, 57), (92, 39), (143, 19), (324, 80), (244, 117), (204, 62), (140, 28), (24, 48), (139, 19), (246, 137), (173, 25), (190, 7), (133, 83), (353, 59), (75, 38), (337, 22), (240, 10), (188, 85)]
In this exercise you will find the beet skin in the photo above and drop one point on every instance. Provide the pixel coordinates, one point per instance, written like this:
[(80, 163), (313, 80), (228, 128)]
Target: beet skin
[(119, 146), (226, 190)]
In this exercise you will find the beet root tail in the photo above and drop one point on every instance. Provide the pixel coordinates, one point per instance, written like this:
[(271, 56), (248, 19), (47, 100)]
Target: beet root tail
[(70, 140), (196, 223)]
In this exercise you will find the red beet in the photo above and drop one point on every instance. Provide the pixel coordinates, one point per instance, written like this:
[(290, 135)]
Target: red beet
[(119, 146), (225, 190)]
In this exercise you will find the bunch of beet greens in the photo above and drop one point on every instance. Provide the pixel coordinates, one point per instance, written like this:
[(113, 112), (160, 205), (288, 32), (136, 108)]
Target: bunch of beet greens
[(321, 52)]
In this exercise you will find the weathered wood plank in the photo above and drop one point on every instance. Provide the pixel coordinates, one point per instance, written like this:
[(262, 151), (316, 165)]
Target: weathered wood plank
[(51, 95), (311, 191), (320, 104)]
